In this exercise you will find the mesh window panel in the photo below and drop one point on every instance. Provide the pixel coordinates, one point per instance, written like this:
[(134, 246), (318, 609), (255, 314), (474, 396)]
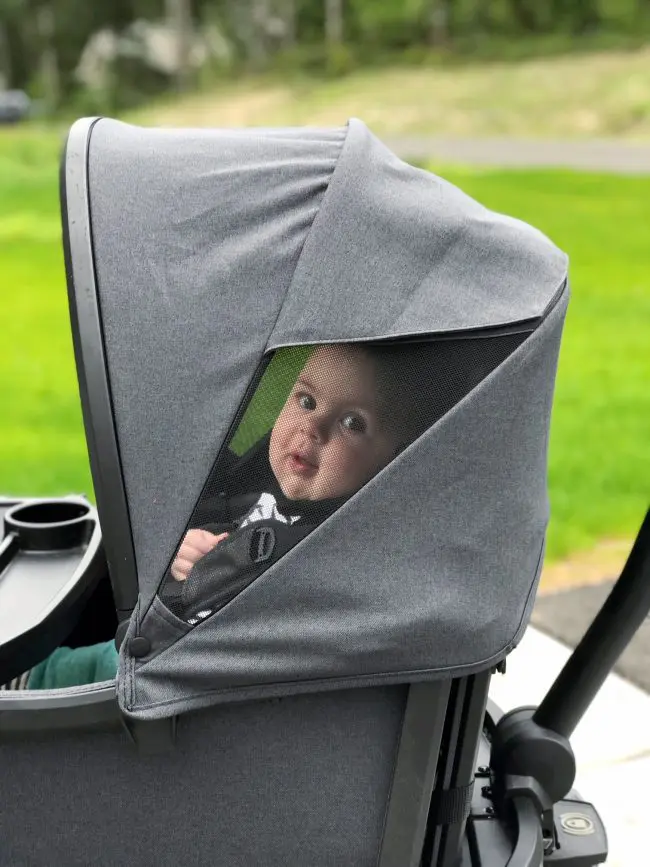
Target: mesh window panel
[(320, 423)]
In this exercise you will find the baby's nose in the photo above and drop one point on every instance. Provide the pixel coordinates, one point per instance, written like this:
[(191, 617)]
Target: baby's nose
[(315, 426)]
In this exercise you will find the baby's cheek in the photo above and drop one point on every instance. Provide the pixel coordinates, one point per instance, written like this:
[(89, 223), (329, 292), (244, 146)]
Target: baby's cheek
[(352, 470), (275, 444)]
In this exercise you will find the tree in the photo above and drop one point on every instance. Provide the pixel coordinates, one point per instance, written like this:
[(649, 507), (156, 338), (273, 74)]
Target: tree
[(440, 21), (333, 22), (525, 13), (12, 59), (289, 14), (5, 57), (178, 14), (49, 57), (586, 15)]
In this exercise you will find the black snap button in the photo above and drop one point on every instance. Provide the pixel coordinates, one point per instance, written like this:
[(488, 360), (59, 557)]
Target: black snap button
[(139, 646)]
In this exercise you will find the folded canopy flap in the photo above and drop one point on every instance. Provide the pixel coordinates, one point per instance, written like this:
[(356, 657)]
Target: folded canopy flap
[(429, 569), (397, 250)]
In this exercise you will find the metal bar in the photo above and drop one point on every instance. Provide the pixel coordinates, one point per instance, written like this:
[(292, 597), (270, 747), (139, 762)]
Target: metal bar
[(414, 775), (611, 631), (461, 748)]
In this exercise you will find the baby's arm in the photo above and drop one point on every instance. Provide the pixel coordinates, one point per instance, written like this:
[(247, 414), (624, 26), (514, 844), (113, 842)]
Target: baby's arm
[(196, 544)]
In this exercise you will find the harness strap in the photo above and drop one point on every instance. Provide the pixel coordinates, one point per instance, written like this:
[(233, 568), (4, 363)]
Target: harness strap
[(451, 806)]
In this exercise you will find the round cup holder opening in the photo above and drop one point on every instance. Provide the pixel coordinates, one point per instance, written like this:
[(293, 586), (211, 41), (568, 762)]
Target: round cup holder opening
[(49, 525), (41, 514)]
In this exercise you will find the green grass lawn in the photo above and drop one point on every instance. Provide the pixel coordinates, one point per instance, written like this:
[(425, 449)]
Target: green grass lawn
[(42, 446), (600, 432), (600, 446)]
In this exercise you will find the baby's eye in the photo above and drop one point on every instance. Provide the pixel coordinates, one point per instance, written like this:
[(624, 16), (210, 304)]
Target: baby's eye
[(306, 401), (354, 423)]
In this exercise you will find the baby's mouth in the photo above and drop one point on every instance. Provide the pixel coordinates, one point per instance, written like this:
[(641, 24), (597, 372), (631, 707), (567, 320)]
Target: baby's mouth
[(300, 463)]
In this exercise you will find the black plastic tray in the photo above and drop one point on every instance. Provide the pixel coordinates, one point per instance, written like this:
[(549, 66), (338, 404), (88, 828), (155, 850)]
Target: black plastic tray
[(51, 560)]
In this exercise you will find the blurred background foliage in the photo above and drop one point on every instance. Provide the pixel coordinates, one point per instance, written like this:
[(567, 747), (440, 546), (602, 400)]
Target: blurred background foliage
[(83, 57)]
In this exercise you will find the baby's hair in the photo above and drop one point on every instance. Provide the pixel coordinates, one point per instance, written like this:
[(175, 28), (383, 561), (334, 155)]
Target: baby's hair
[(403, 373), (419, 381)]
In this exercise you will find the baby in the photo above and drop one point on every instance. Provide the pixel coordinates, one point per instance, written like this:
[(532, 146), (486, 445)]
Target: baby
[(346, 417), (333, 434)]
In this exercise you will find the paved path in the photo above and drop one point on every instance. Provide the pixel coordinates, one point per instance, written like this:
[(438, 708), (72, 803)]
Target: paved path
[(567, 614), (608, 155)]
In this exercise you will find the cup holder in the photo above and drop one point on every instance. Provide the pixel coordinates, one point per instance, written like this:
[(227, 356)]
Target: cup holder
[(49, 525)]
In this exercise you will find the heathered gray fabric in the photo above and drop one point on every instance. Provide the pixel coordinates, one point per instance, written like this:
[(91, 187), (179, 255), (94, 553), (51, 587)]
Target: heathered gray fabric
[(215, 246), (428, 569), (396, 250), (296, 783), (196, 237)]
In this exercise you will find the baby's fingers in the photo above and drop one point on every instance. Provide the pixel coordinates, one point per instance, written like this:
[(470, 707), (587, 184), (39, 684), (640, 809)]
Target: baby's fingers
[(196, 544), (181, 568), (201, 540)]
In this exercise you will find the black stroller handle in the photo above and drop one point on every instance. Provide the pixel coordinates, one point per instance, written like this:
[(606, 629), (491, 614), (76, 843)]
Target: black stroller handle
[(531, 760), (611, 631)]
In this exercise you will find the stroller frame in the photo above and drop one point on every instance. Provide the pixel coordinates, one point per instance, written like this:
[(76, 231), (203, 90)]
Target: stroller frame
[(470, 786)]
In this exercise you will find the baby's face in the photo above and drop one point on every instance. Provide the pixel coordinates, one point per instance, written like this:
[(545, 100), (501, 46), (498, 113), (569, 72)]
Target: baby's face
[(327, 441)]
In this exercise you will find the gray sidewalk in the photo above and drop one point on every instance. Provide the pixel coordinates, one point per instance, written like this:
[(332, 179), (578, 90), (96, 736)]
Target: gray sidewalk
[(607, 155)]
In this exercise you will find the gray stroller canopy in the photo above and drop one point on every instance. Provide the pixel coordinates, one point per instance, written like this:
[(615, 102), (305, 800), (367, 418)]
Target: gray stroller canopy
[(339, 366)]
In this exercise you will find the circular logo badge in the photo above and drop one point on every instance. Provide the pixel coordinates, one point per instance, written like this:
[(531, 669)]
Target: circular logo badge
[(577, 824)]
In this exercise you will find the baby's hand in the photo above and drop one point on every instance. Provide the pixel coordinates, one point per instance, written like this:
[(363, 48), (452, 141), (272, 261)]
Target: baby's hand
[(196, 544)]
